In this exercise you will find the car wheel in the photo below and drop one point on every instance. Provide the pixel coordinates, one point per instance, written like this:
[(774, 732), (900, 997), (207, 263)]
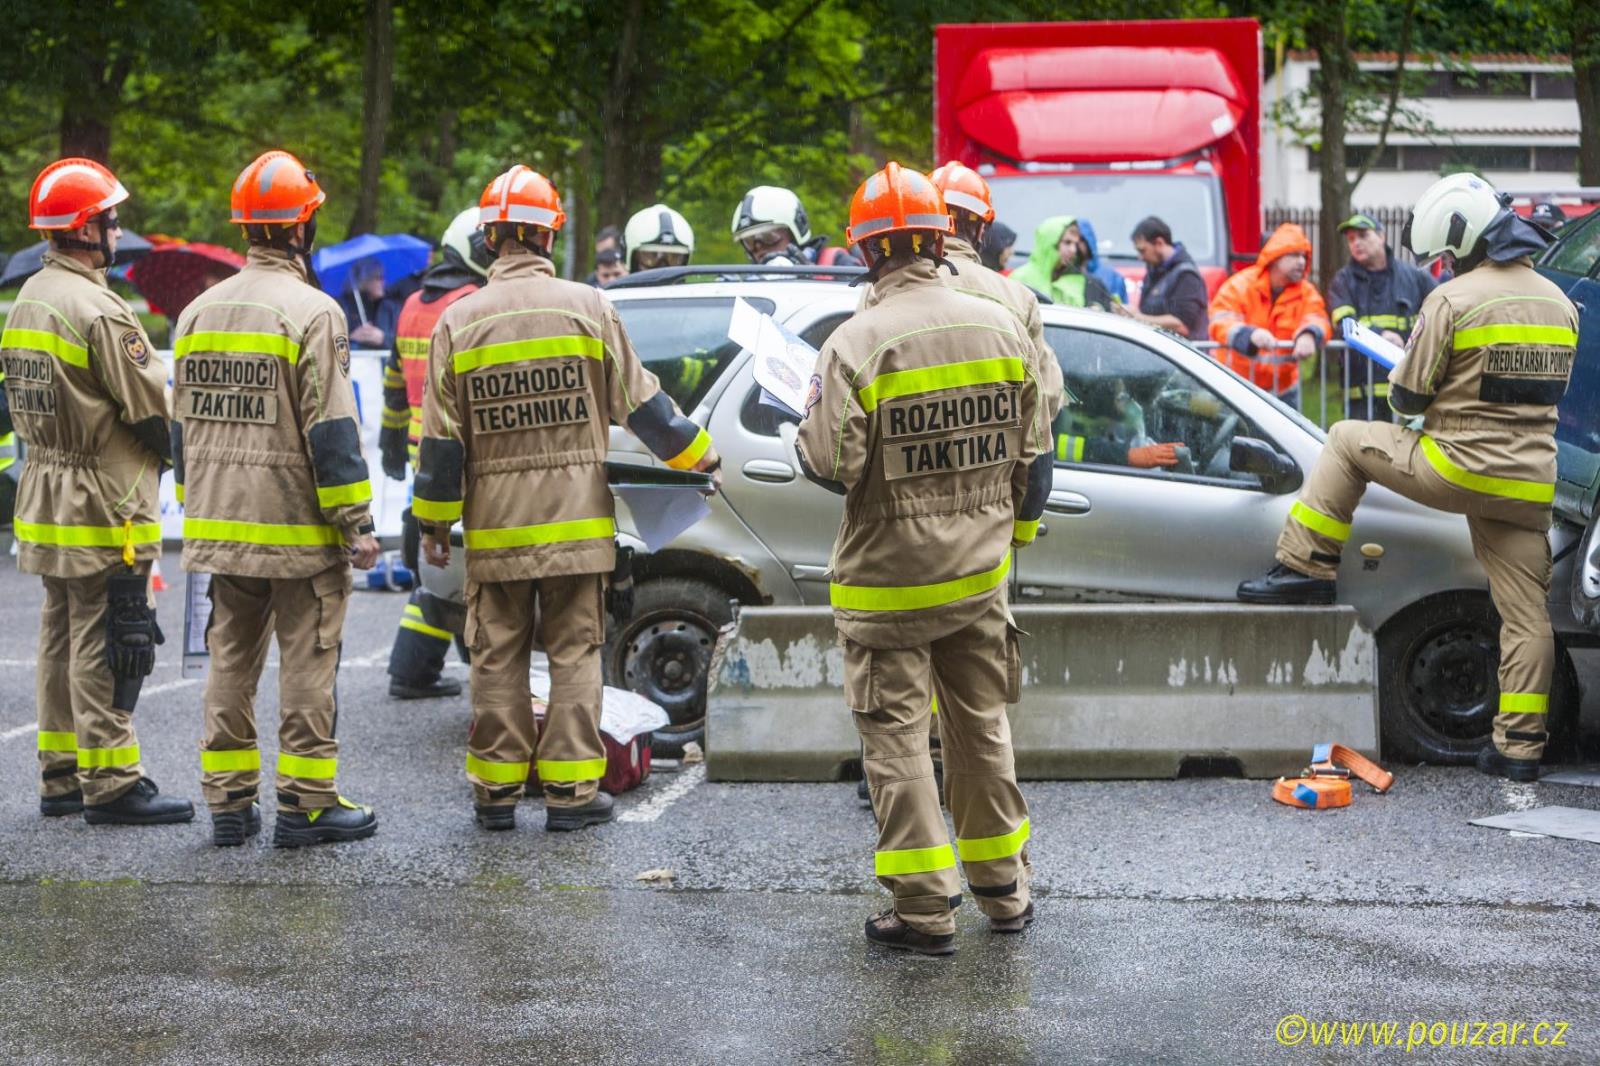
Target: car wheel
[(1438, 691), (663, 653), (1586, 579)]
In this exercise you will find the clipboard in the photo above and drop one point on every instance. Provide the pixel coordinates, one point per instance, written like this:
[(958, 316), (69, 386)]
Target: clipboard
[(639, 476), (1371, 344)]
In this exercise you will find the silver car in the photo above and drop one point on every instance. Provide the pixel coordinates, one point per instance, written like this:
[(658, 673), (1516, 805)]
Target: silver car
[(1111, 532)]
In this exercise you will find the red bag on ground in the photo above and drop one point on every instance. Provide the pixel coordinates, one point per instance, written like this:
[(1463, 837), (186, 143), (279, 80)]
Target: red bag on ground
[(627, 764)]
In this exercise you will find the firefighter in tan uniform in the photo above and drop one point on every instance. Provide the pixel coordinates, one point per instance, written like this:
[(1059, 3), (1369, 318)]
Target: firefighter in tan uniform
[(926, 414), (84, 391), (276, 498), (1485, 366), (525, 378)]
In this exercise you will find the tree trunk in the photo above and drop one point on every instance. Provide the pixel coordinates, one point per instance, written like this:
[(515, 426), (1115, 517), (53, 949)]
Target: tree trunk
[(1325, 33), (616, 120), (580, 204), (91, 89), (1586, 74), (378, 99)]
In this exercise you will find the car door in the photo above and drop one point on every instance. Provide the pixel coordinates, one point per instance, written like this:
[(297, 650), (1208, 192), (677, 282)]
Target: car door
[(796, 520), (1114, 531)]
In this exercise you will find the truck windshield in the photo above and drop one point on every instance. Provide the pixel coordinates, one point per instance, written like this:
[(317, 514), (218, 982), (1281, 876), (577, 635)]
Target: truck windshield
[(1114, 204)]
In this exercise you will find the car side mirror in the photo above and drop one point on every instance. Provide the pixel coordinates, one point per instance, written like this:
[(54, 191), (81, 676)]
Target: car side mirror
[(1278, 472)]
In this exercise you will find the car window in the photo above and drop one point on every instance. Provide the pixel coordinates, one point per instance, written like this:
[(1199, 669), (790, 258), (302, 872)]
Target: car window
[(818, 332), (1126, 398), (1578, 249), (684, 342), (763, 419)]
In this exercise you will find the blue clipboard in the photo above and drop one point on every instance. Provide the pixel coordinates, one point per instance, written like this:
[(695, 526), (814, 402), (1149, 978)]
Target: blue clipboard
[(1371, 344)]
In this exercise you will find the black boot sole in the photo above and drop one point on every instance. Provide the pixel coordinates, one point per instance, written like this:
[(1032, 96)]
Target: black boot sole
[(566, 823), (405, 692), (495, 825), (94, 817), (1309, 598), (283, 837), (56, 809), (234, 832), (932, 950)]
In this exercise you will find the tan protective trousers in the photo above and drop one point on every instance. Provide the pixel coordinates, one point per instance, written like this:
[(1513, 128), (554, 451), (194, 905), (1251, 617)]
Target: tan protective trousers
[(566, 614), (307, 614), (83, 741), (1509, 537), (890, 691)]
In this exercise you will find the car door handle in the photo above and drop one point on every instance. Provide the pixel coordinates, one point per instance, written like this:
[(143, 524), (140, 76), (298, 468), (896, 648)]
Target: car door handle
[(768, 470), (1067, 503)]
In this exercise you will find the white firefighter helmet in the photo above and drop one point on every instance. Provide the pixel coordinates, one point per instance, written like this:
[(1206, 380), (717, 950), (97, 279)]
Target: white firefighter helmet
[(766, 206), (1451, 215), (658, 228), (465, 237)]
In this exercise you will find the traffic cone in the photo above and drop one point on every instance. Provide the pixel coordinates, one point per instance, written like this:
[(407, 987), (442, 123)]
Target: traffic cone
[(157, 582)]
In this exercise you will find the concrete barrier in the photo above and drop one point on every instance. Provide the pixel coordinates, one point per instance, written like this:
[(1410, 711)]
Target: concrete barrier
[(1109, 691)]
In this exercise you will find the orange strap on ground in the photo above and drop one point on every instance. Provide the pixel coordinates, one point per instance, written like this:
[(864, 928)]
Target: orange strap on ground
[(1340, 756), (1312, 793)]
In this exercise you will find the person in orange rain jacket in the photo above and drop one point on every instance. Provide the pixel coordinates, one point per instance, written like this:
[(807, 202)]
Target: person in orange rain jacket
[(1267, 303)]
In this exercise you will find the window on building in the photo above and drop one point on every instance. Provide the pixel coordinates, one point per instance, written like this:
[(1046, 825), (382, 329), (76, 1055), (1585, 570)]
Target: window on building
[(1554, 87), (1506, 83), (1443, 158), (1356, 155), (1555, 159)]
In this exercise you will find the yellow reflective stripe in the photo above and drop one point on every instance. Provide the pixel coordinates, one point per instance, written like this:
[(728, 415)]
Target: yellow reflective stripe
[(545, 533), (1069, 449), (913, 861), (1024, 532), (335, 495), (1509, 487), (177, 490), (1318, 522), (85, 536), (53, 741), (1394, 322), (686, 459), (304, 766), (42, 340), (560, 771), (987, 849), (934, 378), (497, 773), (412, 347), (579, 344), (916, 597), (228, 342), (1380, 388), (1341, 311), (412, 619), (1514, 333), (260, 533), (99, 758), (396, 419), (1524, 703), (435, 510), (230, 760)]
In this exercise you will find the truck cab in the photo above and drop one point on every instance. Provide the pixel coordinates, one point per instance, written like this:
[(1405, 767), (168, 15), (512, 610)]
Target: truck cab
[(1111, 121)]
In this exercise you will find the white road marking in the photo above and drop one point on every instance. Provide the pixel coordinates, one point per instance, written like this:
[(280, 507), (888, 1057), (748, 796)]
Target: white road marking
[(657, 805), (153, 690), (20, 731)]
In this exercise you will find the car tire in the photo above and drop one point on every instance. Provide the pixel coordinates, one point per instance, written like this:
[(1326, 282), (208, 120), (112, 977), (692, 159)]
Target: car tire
[(663, 653), (1586, 579), (1437, 684)]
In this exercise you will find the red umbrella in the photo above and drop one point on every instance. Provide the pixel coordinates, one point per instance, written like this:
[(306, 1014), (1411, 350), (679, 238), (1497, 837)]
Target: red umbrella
[(171, 275)]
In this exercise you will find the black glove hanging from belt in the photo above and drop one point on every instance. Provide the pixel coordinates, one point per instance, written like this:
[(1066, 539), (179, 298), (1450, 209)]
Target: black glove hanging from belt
[(131, 630), (619, 597)]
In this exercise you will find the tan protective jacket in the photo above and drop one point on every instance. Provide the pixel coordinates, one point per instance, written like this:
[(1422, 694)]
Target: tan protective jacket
[(89, 397), (975, 279), (928, 413), (525, 378), (1486, 364), (268, 447)]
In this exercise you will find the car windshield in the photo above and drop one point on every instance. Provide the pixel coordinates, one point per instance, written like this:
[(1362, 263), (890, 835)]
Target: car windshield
[(1578, 249), (684, 342), (1114, 204)]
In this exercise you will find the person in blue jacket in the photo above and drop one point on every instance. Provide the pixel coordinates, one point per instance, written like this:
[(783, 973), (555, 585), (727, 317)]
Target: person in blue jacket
[(1099, 268)]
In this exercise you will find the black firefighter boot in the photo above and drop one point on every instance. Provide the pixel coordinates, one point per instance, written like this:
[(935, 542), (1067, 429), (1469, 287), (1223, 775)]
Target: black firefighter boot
[(1493, 762), (66, 803), (140, 804), (564, 819), (1285, 586), (328, 825), (229, 829), (437, 688)]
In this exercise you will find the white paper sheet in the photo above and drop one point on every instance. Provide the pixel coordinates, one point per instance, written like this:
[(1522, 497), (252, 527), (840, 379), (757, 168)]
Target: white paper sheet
[(662, 512), (784, 363)]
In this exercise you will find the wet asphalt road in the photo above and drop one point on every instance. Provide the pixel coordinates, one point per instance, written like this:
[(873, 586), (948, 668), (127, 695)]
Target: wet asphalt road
[(1179, 921)]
